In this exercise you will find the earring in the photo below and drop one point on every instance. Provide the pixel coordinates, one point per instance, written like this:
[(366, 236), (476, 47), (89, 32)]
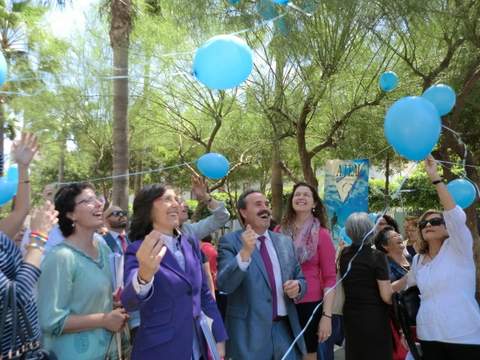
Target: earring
[(73, 224)]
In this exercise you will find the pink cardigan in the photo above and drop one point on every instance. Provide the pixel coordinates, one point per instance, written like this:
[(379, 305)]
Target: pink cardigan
[(320, 270)]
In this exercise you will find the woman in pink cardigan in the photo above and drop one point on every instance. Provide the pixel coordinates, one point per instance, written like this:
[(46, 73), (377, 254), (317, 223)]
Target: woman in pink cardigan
[(305, 222)]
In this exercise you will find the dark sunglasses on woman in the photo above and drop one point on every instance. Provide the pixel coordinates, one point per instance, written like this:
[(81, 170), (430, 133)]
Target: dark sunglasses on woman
[(432, 222)]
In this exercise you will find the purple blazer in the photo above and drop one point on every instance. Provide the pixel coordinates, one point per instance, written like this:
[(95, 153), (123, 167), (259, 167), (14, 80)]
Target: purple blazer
[(171, 308)]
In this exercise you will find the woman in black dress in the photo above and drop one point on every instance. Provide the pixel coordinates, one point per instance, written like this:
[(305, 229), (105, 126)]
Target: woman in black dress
[(368, 292)]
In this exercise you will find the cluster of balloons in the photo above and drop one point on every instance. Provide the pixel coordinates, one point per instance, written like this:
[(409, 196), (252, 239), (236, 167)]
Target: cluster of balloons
[(213, 165), (413, 124), (8, 185), (223, 62)]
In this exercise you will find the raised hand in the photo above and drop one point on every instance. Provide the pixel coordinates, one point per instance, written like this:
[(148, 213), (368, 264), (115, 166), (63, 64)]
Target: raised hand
[(199, 188), (431, 168), (150, 255), (25, 149), (44, 218), (249, 241)]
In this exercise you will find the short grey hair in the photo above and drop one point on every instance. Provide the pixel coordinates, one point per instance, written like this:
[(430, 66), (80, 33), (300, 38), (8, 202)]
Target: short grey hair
[(357, 226)]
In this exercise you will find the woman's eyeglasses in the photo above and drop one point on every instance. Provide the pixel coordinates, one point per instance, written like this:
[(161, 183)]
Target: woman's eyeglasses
[(118, 213), (432, 222)]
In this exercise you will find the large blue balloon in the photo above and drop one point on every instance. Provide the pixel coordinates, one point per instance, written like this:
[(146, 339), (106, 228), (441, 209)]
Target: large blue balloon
[(3, 69), (12, 174), (388, 81), (412, 126), (463, 192), (223, 62), (442, 96), (7, 190), (281, 2), (212, 165)]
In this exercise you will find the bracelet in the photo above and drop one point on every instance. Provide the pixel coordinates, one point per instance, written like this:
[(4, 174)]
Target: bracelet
[(327, 316), (39, 234), (35, 246), (435, 182)]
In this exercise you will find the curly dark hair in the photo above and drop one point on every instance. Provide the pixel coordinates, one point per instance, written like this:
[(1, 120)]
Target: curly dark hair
[(381, 239), (65, 203), (142, 223), (318, 211)]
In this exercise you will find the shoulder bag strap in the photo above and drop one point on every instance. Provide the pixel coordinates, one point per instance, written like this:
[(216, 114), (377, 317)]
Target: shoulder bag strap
[(13, 306)]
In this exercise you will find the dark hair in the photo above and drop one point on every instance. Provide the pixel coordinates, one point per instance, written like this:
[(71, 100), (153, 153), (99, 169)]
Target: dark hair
[(381, 239), (241, 202), (65, 203), (207, 239), (142, 210), (391, 222), (318, 211)]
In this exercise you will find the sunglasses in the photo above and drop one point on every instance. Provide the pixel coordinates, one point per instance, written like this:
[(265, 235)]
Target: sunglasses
[(118, 213), (432, 222)]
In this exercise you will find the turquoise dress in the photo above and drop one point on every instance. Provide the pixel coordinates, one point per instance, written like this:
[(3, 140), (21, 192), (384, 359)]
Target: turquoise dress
[(72, 283)]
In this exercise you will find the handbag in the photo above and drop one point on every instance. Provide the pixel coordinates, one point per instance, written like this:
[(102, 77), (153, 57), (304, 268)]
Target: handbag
[(339, 300), (123, 348), (30, 347)]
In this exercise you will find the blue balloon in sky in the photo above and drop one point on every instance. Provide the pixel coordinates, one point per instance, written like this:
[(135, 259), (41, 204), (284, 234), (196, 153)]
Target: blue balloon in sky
[(281, 2), (388, 81), (7, 190), (234, 2), (212, 165), (3, 69), (442, 96), (412, 126), (463, 192), (223, 62)]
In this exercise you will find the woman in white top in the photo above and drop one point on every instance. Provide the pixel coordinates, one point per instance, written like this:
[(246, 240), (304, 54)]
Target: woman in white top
[(448, 321)]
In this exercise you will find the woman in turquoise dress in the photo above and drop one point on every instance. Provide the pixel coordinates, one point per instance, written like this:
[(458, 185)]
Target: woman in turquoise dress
[(75, 288)]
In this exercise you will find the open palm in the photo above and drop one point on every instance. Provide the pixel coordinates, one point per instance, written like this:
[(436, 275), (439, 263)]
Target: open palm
[(25, 149)]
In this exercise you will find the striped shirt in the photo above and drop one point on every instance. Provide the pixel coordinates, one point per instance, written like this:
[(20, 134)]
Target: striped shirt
[(12, 268)]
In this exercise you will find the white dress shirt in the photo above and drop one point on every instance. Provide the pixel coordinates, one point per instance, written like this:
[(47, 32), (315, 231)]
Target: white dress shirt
[(448, 309), (243, 265)]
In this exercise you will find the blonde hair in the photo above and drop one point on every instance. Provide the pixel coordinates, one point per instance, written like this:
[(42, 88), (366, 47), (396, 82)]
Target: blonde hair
[(421, 243)]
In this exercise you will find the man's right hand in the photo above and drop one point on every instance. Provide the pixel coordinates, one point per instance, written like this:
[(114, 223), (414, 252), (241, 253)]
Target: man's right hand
[(249, 240)]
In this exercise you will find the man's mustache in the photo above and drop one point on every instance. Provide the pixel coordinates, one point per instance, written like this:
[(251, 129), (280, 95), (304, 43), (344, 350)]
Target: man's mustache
[(263, 212)]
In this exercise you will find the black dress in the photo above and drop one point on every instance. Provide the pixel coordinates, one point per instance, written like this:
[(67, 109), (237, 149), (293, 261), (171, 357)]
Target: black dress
[(368, 335)]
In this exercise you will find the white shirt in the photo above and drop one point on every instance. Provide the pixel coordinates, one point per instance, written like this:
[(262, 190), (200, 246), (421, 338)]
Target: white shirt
[(243, 265), (448, 309)]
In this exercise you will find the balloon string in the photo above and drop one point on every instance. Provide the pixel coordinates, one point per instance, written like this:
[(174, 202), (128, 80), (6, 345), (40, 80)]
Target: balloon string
[(465, 149), (127, 175), (259, 26), (349, 266)]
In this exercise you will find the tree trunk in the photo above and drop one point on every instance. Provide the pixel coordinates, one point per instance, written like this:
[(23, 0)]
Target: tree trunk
[(276, 182), (120, 28)]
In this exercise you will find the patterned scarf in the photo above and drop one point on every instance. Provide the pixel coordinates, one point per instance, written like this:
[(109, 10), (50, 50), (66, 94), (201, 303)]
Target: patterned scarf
[(305, 241)]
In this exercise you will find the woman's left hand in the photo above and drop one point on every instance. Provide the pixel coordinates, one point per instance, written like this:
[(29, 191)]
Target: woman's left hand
[(324, 329), (221, 349), (25, 149), (431, 168)]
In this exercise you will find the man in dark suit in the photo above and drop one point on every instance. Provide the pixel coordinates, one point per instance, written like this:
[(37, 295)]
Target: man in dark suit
[(261, 276), (116, 221)]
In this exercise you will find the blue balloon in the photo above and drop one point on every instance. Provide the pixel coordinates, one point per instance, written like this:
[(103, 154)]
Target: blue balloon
[(212, 165), (442, 96), (345, 237), (223, 62), (412, 126), (463, 192), (281, 2), (7, 190), (373, 217), (3, 69), (12, 174), (233, 2), (388, 81)]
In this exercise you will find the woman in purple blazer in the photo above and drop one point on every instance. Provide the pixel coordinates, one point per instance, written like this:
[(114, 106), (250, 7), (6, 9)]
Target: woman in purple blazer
[(164, 280)]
